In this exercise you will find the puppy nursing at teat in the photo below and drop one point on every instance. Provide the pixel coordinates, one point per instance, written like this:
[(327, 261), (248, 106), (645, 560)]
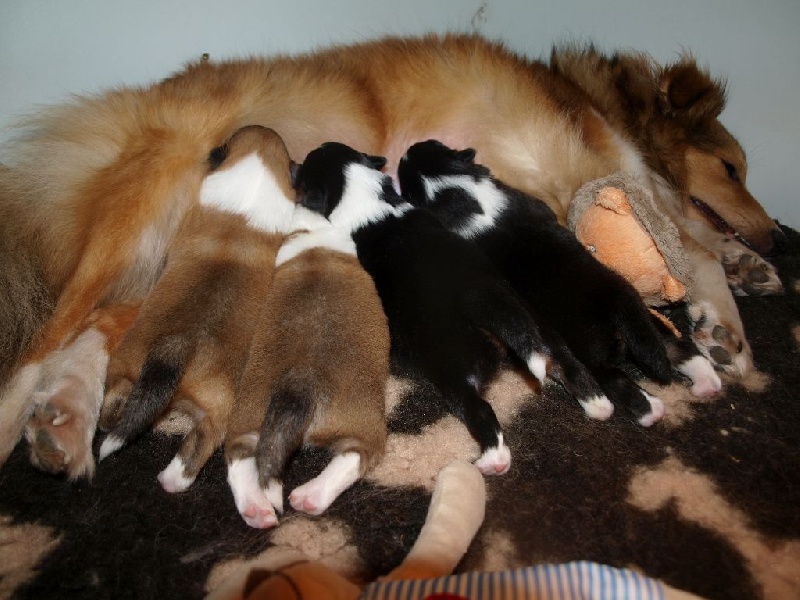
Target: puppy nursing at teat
[(317, 370), (441, 295), (187, 346), (599, 315)]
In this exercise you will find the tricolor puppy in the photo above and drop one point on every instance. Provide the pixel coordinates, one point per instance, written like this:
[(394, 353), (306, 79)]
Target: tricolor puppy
[(187, 346), (317, 370), (440, 293), (598, 314)]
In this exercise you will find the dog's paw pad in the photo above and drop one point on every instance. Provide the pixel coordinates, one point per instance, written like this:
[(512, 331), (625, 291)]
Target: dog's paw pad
[(58, 440), (720, 344), (751, 275), (259, 516)]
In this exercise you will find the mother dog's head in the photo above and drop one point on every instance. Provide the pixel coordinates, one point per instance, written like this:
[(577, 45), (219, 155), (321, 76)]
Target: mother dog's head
[(672, 113)]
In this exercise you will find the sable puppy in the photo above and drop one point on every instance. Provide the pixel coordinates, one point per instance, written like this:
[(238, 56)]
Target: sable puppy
[(598, 313), (317, 370), (188, 344), (440, 293)]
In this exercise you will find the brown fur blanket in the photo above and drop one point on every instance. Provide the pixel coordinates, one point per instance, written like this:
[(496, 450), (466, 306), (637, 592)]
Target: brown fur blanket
[(707, 500)]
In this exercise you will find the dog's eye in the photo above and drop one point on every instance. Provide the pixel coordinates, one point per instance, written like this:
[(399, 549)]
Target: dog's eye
[(731, 170)]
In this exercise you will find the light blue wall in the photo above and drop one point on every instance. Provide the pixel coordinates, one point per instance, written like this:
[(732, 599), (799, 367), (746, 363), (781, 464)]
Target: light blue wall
[(51, 48)]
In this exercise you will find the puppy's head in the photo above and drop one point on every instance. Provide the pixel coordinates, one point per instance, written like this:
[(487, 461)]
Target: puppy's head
[(431, 161), (250, 174), (714, 162), (344, 185)]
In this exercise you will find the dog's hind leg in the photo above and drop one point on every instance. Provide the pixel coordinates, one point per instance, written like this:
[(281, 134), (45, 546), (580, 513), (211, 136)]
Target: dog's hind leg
[(718, 329), (463, 399), (209, 400), (542, 350), (645, 408), (70, 392), (131, 221)]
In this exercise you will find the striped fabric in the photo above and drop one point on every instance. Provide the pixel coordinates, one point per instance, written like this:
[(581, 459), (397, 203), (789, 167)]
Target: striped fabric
[(571, 581)]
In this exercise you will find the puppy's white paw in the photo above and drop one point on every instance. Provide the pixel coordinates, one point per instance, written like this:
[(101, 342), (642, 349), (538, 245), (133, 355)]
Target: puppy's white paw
[(656, 411), (495, 460), (705, 381), (315, 496), (599, 408), (173, 479), (251, 501)]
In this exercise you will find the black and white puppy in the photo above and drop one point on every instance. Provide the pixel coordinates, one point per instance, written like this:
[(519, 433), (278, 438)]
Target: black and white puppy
[(441, 295), (597, 313)]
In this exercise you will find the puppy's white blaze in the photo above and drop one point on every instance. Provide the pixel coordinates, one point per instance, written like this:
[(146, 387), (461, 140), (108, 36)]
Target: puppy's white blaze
[(250, 189), (495, 460), (173, 478), (492, 200), (361, 201), (656, 411), (313, 231), (315, 496), (274, 493), (705, 381), (110, 445), (597, 407), (537, 365)]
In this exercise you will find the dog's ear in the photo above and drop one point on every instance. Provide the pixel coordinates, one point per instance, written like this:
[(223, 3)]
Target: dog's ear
[(315, 200), (217, 156), (377, 162), (467, 155), (293, 169), (689, 92)]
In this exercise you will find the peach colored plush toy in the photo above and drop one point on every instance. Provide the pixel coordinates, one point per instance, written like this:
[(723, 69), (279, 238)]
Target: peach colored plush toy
[(616, 220)]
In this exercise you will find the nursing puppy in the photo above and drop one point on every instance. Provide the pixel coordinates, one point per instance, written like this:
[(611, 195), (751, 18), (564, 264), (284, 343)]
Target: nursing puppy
[(188, 344), (317, 370), (441, 295), (599, 315)]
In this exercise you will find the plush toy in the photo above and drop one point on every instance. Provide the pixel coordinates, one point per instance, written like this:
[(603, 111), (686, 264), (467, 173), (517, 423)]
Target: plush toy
[(454, 516), (616, 219)]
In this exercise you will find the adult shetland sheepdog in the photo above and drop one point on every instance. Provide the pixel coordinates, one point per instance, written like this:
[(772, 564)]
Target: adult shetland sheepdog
[(92, 194)]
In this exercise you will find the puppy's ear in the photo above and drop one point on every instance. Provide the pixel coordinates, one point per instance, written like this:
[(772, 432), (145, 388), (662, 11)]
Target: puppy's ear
[(689, 92), (293, 169), (467, 155), (315, 200), (217, 156), (377, 162)]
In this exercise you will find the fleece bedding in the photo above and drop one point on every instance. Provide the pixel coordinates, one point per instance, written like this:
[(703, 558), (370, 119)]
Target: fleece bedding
[(708, 500)]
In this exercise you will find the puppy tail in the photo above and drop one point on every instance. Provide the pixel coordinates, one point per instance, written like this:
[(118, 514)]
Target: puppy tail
[(288, 417), (152, 392)]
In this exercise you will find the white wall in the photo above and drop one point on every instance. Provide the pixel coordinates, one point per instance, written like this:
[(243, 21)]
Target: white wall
[(51, 48)]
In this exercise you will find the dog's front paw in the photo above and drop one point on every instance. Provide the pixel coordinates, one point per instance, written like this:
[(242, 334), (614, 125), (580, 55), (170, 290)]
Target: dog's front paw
[(726, 349), (61, 428), (748, 274)]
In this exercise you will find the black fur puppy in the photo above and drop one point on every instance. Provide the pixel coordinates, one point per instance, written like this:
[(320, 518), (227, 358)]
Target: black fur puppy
[(598, 314), (440, 293)]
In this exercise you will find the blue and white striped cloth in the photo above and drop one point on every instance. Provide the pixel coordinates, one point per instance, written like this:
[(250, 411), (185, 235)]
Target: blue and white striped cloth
[(580, 580)]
